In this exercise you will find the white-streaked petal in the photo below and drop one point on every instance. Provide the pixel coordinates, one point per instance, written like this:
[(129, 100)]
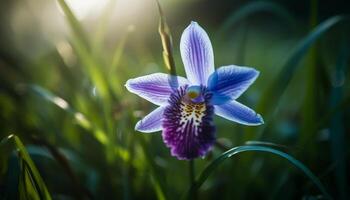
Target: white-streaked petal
[(239, 113), (151, 122), (197, 54), (155, 88), (231, 81)]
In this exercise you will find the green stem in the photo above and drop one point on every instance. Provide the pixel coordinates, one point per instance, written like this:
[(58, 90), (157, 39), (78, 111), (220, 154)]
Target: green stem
[(192, 178)]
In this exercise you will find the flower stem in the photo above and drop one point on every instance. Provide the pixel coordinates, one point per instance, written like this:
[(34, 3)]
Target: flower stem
[(192, 178)]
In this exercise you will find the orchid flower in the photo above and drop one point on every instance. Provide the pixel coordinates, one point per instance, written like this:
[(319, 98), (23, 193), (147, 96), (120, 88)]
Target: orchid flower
[(186, 106)]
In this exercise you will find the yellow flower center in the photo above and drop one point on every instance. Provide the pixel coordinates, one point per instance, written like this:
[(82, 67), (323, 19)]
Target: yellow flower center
[(192, 94)]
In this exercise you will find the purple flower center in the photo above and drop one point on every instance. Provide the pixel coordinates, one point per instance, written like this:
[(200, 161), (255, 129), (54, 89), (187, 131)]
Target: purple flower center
[(188, 128)]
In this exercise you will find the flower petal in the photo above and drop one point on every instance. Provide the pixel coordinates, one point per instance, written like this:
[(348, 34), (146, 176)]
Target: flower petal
[(239, 113), (151, 122), (229, 82), (155, 88), (197, 54), (188, 128)]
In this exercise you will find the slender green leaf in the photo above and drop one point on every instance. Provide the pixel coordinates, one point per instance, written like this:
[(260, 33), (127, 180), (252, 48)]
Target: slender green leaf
[(254, 8), (273, 93), (102, 26), (80, 119), (343, 104), (31, 185), (310, 101), (158, 188), (61, 103), (82, 48), (236, 150), (75, 25), (116, 58), (268, 144), (167, 42), (118, 52), (93, 69), (337, 125), (157, 174)]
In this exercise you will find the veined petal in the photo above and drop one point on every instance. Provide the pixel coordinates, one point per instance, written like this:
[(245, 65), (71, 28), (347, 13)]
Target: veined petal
[(155, 88), (151, 122), (229, 82), (239, 113), (188, 128), (197, 54)]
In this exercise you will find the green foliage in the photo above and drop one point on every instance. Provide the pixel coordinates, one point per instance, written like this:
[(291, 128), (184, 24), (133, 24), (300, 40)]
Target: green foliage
[(31, 185), (274, 92), (337, 128), (167, 42), (70, 93), (256, 148), (253, 8), (277, 88)]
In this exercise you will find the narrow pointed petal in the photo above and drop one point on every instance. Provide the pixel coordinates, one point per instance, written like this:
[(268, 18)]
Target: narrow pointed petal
[(155, 88), (151, 122), (229, 82), (197, 54), (239, 113)]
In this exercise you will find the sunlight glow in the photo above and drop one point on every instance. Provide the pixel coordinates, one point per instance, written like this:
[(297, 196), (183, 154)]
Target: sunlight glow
[(83, 8), (60, 102)]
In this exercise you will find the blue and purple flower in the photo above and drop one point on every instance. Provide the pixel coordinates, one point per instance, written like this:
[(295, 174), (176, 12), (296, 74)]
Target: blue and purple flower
[(187, 106)]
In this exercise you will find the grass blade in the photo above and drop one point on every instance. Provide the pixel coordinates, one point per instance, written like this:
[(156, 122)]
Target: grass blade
[(273, 93), (31, 185), (167, 42), (102, 27), (236, 150), (309, 107), (342, 105), (99, 134), (337, 126), (82, 48), (61, 103), (93, 69), (253, 8), (268, 144), (116, 58), (157, 174), (77, 29), (118, 52)]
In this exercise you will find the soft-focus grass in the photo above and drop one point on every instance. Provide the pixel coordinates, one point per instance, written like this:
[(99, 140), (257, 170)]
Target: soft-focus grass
[(68, 104)]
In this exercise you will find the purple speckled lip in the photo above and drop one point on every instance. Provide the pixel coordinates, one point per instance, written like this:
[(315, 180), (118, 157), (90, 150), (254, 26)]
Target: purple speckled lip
[(188, 128), (187, 105)]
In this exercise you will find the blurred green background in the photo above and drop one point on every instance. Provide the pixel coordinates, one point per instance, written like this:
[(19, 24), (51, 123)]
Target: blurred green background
[(63, 65)]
